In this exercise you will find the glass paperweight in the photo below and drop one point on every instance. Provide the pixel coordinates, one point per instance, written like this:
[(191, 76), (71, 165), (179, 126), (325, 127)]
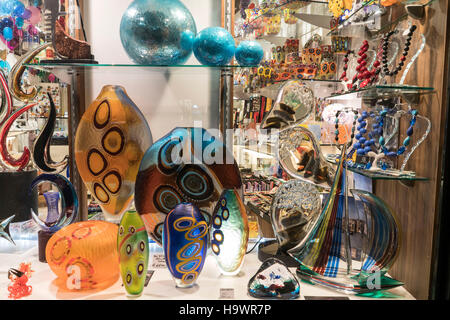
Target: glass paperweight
[(274, 281)]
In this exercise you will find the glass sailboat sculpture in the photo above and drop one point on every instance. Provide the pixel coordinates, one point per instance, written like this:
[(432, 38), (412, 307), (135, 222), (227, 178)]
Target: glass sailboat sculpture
[(353, 243)]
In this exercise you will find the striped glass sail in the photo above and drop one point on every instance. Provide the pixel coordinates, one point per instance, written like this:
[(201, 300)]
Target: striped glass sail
[(353, 243)]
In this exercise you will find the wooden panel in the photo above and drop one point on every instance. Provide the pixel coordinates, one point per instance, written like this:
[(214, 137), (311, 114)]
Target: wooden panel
[(416, 206)]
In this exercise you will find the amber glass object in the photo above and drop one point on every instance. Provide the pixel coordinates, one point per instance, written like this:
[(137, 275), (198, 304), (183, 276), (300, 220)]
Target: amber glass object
[(111, 140)]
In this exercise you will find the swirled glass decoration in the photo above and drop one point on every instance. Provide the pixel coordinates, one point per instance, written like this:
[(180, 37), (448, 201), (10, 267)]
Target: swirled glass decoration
[(185, 243), (15, 76), (186, 165), (7, 104), (41, 151), (84, 256), (295, 207), (7, 159), (158, 32), (356, 264), (111, 140), (294, 104), (300, 156), (229, 233), (132, 245), (55, 220)]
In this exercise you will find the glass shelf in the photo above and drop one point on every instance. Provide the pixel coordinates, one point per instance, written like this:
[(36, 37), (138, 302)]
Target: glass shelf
[(385, 91), (342, 24), (50, 66), (395, 14), (271, 91), (377, 175), (278, 9)]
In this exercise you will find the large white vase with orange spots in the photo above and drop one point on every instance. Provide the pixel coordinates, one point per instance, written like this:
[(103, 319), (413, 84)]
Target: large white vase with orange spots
[(111, 140)]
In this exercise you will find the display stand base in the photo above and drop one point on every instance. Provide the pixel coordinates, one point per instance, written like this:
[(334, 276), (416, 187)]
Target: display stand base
[(270, 249), (14, 196), (43, 237)]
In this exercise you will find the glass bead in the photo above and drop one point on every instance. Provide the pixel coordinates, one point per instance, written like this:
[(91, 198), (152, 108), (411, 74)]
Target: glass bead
[(363, 130), (401, 150), (382, 141), (407, 141), (410, 131)]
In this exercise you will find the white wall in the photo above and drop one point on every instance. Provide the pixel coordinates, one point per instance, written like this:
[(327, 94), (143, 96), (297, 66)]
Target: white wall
[(165, 96)]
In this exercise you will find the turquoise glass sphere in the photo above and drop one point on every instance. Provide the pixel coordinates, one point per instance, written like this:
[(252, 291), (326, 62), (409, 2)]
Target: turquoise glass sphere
[(158, 32), (249, 53), (214, 46)]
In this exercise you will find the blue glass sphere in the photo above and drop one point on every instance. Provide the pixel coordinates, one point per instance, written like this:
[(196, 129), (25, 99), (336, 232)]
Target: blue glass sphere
[(249, 53), (158, 32), (214, 46)]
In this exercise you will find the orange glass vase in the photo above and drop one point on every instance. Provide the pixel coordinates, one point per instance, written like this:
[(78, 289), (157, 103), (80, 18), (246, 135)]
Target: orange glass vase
[(111, 140), (84, 255)]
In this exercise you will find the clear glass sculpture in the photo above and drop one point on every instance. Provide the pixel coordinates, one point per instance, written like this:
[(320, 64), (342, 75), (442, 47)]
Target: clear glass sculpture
[(294, 209), (294, 104), (300, 156)]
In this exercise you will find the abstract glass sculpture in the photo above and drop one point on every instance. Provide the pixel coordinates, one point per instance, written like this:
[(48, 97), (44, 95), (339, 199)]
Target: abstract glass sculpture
[(186, 165), (229, 232), (274, 281), (7, 159), (249, 53), (84, 255), (214, 46), (300, 156), (294, 103), (295, 207), (132, 245), (4, 229), (56, 220), (41, 152), (158, 32), (16, 73), (110, 142), (329, 256), (6, 104), (185, 242), (66, 47)]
